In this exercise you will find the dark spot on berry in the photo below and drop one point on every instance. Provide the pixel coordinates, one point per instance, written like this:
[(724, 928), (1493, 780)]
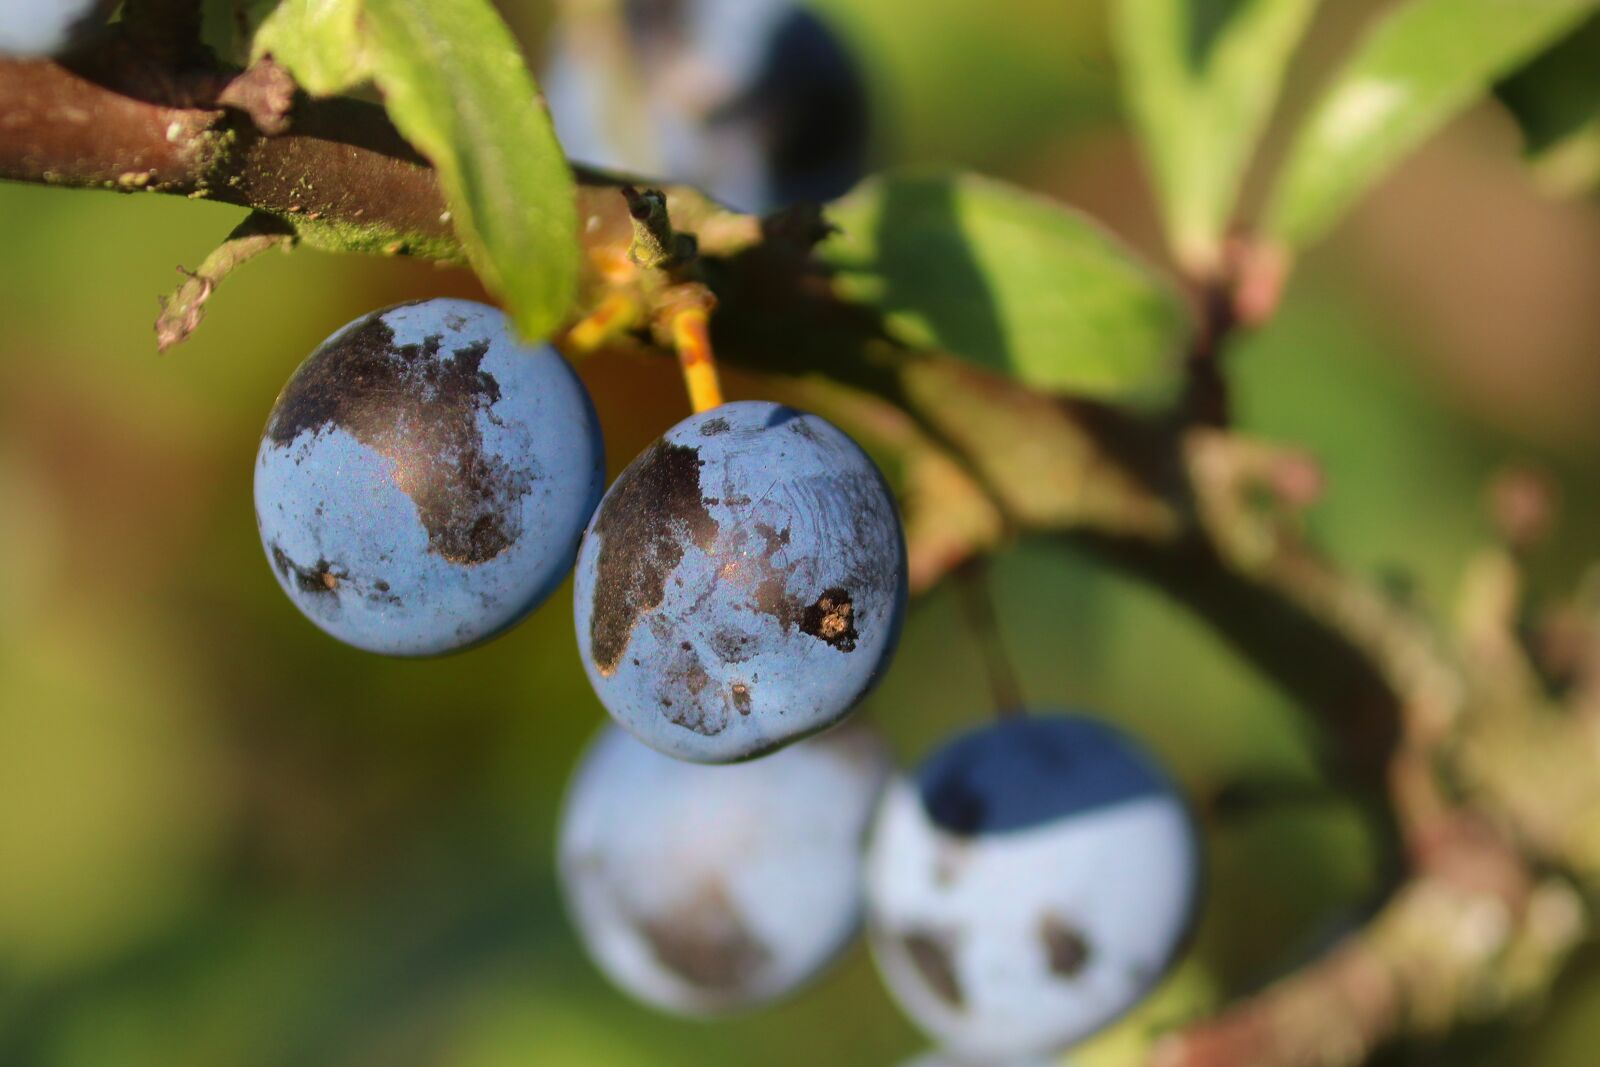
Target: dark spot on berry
[(695, 677), (649, 517), (731, 646), (948, 864), (317, 579), (930, 954), (1064, 946), (688, 678), (831, 619), (713, 427), (381, 586), (774, 540), (703, 941), (741, 698), (420, 412)]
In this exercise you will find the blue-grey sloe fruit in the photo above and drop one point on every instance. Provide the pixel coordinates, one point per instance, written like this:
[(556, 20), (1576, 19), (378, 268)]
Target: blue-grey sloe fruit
[(32, 29), (705, 889), (424, 478), (761, 103), (741, 585), (945, 1059), (1031, 885)]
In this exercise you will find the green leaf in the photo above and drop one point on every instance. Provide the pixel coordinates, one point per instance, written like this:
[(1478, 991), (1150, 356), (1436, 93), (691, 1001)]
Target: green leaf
[(1009, 281), (456, 86), (1201, 78), (1556, 101), (1557, 93), (1417, 68), (319, 42)]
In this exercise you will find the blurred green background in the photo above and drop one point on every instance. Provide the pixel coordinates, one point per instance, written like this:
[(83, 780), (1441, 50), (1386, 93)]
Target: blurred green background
[(227, 840)]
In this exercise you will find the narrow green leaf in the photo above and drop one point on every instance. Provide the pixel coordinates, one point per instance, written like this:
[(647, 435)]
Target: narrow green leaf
[(1009, 281), (1417, 68), (1556, 101), (456, 86), (317, 41), (1201, 78)]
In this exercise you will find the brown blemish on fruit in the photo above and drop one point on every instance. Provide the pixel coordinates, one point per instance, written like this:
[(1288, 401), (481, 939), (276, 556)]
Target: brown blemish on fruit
[(741, 698), (317, 579), (687, 677), (948, 863), (649, 517), (731, 646), (773, 541), (695, 677), (703, 941), (419, 412), (930, 954), (1064, 946), (831, 619), (713, 427)]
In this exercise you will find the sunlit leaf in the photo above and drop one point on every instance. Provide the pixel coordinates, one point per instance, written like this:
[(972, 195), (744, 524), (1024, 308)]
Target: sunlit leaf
[(457, 87), (319, 42), (1419, 66), (1010, 281), (1201, 79)]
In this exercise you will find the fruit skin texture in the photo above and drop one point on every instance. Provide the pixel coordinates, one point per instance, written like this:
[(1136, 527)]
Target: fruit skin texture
[(424, 478), (742, 584), (1031, 885), (40, 28), (944, 1059), (705, 889), (758, 102)]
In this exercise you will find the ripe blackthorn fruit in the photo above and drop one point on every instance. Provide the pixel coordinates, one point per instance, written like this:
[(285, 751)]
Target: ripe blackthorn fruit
[(424, 478), (741, 585), (40, 28), (704, 889), (759, 102), (945, 1059), (1032, 884)]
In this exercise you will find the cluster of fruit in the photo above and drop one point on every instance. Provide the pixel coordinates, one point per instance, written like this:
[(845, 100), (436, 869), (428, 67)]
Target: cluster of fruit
[(425, 480)]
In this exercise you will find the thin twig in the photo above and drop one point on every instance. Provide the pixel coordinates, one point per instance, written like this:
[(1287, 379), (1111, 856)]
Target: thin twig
[(1206, 400), (977, 606), (181, 312)]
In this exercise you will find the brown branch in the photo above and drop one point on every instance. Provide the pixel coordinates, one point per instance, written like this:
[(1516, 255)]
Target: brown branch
[(1470, 936), (342, 178)]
